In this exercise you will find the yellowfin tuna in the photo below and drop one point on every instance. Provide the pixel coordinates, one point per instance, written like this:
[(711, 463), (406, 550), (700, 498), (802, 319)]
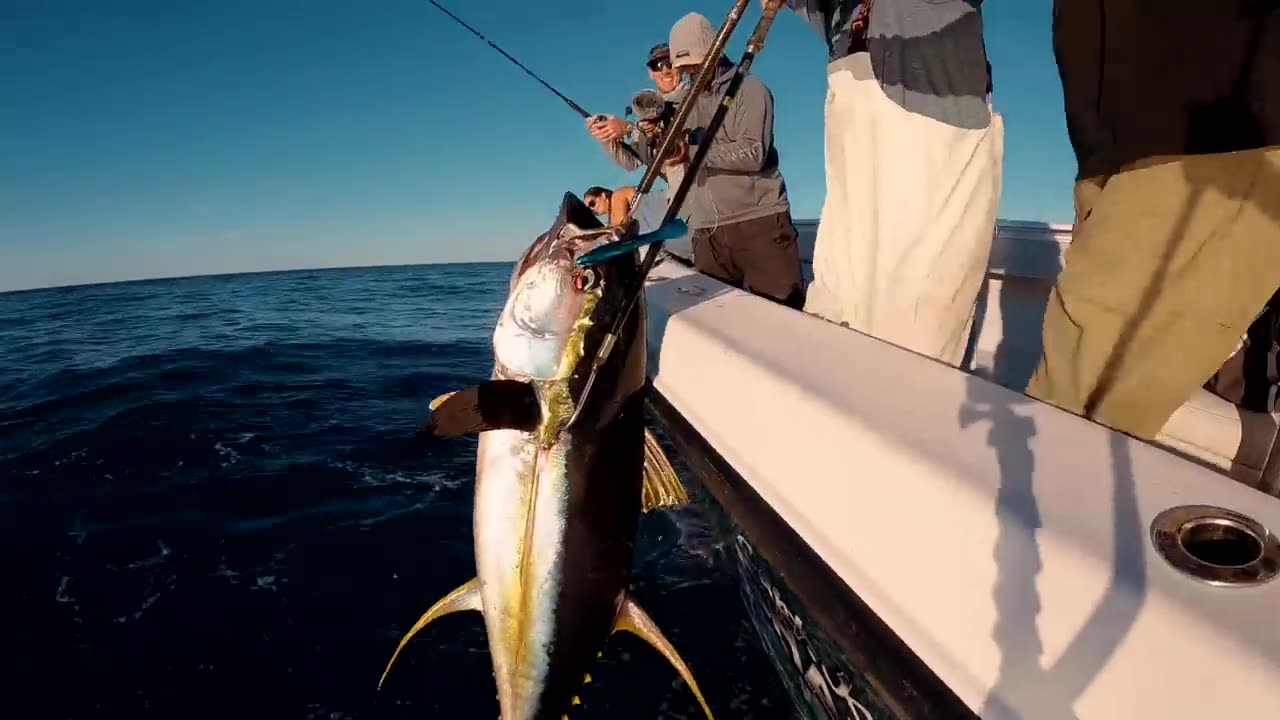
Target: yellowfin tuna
[(558, 495)]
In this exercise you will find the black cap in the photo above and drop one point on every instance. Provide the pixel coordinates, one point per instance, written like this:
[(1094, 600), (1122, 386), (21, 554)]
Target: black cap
[(658, 52)]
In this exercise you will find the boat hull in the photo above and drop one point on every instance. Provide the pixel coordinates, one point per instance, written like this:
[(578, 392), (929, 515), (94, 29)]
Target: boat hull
[(834, 656)]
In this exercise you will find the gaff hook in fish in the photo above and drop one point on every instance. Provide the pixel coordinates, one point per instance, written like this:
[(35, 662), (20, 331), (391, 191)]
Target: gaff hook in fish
[(585, 279), (669, 230)]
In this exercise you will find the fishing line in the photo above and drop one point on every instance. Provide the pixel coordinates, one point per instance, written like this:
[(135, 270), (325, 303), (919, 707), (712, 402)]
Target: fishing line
[(576, 107), (517, 63)]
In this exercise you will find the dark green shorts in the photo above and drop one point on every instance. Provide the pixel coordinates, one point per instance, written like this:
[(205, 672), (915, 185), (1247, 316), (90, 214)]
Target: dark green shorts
[(760, 256)]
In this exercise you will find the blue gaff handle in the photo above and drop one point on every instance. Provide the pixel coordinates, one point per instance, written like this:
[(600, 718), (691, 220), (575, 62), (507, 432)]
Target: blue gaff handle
[(670, 230)]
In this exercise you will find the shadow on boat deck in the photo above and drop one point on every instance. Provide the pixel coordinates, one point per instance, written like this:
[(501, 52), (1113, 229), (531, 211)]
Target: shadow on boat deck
[(1023, 681)]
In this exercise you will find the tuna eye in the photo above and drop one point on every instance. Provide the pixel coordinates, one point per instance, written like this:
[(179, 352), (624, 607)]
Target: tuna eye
[(586, 280)]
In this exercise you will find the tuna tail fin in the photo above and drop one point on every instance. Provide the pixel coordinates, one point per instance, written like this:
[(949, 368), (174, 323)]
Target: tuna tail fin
[(662, 487), (634, 620), (493, 405), (466, 597)]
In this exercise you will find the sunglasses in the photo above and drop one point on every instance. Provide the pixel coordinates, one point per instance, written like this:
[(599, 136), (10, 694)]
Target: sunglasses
[(659, 65)]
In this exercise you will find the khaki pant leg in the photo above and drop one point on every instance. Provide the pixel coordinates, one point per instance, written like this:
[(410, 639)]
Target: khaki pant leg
[(1168, 266)]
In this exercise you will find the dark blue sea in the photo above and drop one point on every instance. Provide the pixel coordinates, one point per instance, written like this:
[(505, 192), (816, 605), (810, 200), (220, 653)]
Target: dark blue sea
[(212, 506)]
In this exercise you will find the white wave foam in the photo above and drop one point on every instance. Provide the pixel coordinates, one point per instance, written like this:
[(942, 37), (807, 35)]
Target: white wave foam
[(372, 476), (230, 457)]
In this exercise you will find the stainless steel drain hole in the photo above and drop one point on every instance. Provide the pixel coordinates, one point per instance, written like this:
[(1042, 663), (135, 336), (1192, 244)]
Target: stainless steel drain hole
[(1220, 542), (1216, 545)]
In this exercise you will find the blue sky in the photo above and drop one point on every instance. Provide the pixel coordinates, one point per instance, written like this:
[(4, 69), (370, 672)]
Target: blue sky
[(147, 139)]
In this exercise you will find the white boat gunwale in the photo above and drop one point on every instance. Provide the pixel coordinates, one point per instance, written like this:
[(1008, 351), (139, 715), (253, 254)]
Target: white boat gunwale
[(745, 373)]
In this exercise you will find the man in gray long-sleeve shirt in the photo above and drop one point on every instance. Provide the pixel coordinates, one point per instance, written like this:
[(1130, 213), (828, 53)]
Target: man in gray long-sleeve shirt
[(737, 207)]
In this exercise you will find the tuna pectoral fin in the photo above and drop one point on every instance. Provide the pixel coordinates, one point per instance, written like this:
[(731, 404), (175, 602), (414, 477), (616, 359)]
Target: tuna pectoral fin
[(466, 597), (634, 620), (494, 405), (661, 485)]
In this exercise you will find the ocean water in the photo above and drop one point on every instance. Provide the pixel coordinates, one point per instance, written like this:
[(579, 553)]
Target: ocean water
[(211, 506)]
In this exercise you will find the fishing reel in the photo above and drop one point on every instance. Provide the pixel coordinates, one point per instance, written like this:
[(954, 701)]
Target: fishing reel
[(651, 106)]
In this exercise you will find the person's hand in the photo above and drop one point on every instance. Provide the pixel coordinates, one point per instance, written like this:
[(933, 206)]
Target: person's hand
[(609, 129), (679, 155), (649, 128)]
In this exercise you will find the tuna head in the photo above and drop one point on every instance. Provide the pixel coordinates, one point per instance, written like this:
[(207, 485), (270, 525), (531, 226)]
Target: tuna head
[(542, 331)]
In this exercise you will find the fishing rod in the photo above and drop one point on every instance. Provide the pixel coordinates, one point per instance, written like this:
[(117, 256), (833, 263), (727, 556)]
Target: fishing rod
[(710, 65), (576, 107), (532, 74)]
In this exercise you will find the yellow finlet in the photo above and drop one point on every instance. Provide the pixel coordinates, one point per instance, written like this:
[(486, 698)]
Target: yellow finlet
[(435, 404), (466, 597), (662, 487), (634, 620)]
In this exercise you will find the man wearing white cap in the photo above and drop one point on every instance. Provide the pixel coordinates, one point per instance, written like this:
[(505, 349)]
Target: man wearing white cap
[(737, 208), (913, 162)]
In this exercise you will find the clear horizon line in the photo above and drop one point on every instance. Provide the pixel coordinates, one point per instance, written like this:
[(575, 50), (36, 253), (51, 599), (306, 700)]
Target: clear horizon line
[(228, 273), (797, 221)]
